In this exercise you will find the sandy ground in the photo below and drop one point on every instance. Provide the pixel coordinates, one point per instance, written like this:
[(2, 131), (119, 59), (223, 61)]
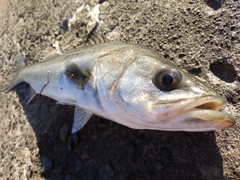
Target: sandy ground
[(202, 37)]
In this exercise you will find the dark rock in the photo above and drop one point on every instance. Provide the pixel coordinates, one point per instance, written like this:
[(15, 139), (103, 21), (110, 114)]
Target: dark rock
[(64, 25), (181, 55), (72, 177), (78, 165), (46, 163), (110, 171), (195, 71), (52, 140), (93, 173), (62, 166), (132, 153), (158, 165)]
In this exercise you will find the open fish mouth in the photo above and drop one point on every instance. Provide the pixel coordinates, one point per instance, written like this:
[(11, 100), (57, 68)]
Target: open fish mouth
[(205, 112), (209, 102)]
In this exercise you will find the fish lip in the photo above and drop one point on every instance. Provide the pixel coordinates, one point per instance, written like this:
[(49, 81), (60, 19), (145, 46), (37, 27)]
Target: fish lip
[(205, 102), (216, 119), (207, 109), (195, 114)]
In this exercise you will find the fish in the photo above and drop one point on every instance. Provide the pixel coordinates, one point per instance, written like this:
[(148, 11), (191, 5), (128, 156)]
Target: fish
[(129, 84)]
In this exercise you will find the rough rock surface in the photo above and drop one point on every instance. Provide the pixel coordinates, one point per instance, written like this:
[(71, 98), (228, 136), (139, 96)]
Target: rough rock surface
[(202, 37)]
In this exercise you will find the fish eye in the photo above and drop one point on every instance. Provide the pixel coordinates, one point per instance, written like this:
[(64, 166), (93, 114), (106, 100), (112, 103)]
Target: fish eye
[(167, 79)]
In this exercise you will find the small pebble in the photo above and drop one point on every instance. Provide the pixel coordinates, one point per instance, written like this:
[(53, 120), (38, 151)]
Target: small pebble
[(237, 170), (46, 163), (86, 157)]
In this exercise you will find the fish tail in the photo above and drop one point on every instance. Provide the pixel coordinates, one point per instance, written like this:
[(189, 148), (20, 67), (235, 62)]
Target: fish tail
[(16, 79)]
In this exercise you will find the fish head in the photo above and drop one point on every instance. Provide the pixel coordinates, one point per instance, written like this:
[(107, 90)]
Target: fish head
[(158, 95)]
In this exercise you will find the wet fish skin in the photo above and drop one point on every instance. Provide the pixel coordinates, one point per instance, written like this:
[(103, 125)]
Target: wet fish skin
[(115, 80)]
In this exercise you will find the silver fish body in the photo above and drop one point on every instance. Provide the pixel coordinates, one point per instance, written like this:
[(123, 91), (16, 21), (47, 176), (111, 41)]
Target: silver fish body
[(129, 84)]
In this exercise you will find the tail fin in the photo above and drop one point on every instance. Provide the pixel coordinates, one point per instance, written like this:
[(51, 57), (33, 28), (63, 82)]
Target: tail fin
[(16, 80)]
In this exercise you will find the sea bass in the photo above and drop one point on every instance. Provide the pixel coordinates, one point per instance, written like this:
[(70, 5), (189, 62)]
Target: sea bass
[(128, 84)]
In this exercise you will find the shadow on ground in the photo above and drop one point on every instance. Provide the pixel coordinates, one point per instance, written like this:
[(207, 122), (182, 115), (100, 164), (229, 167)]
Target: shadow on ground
[(106, 150)]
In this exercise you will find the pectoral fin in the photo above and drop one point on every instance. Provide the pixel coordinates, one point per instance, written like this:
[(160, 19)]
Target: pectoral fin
[(81, 117), (32, 95)]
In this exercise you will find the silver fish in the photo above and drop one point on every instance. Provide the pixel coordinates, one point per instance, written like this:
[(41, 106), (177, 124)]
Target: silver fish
[(128, 84)]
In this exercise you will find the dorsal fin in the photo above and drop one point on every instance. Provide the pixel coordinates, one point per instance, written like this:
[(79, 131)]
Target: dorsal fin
[(96, 39)]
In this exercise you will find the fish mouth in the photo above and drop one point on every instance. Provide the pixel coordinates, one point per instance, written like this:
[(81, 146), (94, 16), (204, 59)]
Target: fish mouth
[(209, 102), (204, 114)]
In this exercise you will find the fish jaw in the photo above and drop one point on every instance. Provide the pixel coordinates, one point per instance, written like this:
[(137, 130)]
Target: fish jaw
[(206, 120), (197, 115)]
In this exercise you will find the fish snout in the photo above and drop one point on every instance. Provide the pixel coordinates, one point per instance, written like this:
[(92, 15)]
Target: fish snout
[(203, 115)]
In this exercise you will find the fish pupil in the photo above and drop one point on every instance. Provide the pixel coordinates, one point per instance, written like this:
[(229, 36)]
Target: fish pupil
[(167, 79)]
